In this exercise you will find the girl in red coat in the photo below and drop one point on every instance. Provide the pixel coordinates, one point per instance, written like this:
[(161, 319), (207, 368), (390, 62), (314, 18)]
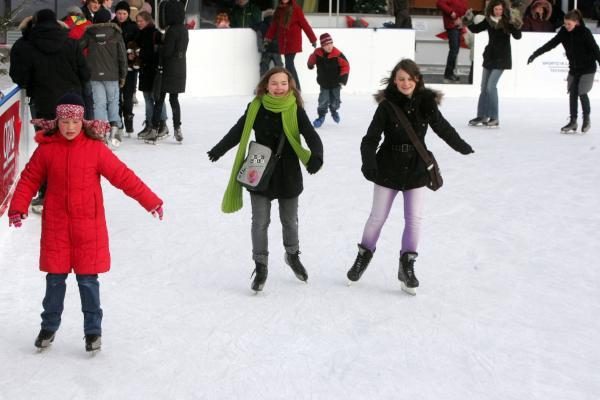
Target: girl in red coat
[(287, 25), (71, 158)]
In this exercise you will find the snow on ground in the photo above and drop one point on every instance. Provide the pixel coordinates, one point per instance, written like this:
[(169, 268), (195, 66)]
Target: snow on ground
[(507, 309)]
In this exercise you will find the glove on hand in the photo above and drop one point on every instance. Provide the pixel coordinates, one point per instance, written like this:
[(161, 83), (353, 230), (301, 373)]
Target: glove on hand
[(314, 164), (369, 173), (212, 155), (314, 44), (530, 59), (468, 18), (16, 219), (515, 19), (467, 150), (157, 212)]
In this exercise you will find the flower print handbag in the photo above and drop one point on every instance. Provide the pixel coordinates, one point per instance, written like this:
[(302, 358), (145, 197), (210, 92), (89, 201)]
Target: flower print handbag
[(258, 167)]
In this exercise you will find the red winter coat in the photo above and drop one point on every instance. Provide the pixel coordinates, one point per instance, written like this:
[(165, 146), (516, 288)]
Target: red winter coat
[(289, 37), (459, 7), (74, 234), (77, 26)]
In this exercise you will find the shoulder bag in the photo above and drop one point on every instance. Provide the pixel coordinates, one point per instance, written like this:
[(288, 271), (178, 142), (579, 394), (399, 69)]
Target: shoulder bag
[(257, 169)]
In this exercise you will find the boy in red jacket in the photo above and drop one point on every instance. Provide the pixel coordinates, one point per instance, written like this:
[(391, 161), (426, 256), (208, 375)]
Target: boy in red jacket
[(332, 71), (71, 157)]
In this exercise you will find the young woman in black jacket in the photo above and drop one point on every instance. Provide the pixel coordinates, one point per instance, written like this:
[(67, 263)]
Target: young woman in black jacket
[(500, 24), (395, 166), (583, 54), (275, 114)]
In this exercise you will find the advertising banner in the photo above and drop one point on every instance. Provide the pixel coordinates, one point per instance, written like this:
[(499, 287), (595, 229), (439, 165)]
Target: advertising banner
[(10, 129)]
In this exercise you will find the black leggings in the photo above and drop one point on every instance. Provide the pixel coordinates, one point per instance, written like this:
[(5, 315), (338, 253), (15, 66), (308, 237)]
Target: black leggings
[(175, 109), (574, 96), (289, 65)]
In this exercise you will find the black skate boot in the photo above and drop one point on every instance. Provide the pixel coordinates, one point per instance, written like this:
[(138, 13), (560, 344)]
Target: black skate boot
[(571, 126), (585, 125), (44, 339), (152, 136), (128, 124), (479, 121), (178, 134), (145, 131), (93, 342), (293, 260), (163, 130), (260, 277), (406, 273), (360, 264)]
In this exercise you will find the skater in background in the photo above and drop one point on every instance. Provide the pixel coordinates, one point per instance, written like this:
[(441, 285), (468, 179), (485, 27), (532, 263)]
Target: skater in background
[(71, 157), (269, 50), (583, 53), (332, 73), (275, 114), (452, 13), (172, 67), (287, 26), (500, 24), (395, 166)]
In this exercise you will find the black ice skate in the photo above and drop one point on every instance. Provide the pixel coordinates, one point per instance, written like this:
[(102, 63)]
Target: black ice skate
[(145, 131), (260, 277), (44, 339), (585, 125), (93, 343), (178, 134), (492, 123), (406, 273), (128, 124), (479, 121), (570, 127), (293, 260), (361, 263), (152, 136)]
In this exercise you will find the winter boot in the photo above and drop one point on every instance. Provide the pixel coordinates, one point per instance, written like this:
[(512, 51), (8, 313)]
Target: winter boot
[(128, 124), (93, 342), (571, 126), (479, 121), (178, 134), (163, 130), (585, 125), (44, 339), (360, 264), (406, 273), (145, 131), (293, 260), (335, 116), (260, 277), (319, 121)]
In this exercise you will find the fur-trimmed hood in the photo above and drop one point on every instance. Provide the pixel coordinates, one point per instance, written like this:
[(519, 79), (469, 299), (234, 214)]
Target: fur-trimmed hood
[(546, 6)]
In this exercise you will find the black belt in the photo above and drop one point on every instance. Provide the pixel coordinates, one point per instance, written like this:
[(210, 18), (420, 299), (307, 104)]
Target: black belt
[(403, 148)]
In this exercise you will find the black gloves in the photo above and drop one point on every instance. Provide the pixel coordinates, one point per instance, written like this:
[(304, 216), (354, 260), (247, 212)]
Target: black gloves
[(530, 59), (369, 173), (314, 164), (212, 155), (467, 150), (314, 44)]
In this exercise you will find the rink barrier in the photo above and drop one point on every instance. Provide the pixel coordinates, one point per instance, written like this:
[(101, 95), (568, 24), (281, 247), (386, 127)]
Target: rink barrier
[(14, 142), (232, 67)]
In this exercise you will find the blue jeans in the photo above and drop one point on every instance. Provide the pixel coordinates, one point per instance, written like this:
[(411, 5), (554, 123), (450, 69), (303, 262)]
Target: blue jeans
[(149, 100), (106, 101), (454, 45), (488, 98), (89, 291), (328, 98)]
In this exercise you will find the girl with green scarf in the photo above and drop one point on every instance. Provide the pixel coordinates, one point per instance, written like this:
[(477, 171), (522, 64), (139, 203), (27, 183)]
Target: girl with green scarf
[(275, 111)]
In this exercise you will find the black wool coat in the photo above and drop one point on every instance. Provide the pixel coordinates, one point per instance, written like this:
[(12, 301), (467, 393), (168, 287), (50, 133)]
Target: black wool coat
[(404, 170), (497, 53), (148, 40), (129, 30), (174, 48), (286, 181), (580, 46), (56, 65)]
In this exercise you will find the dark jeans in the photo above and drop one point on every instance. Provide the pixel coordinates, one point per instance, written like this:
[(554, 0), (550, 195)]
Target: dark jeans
[(289, 65), (328, 98), (265, 62), (89, 291), (574, 96), (454, 45), (403, 19), (127, 93), (88, 99), (175, 109)]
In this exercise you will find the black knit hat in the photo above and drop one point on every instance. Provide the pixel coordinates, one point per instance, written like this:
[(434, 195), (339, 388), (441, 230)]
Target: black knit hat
[(71, 98), (102, 16), (123, 5), (45, 15)]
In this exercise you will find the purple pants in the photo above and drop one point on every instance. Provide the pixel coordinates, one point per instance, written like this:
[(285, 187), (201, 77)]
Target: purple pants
[(383, 198)]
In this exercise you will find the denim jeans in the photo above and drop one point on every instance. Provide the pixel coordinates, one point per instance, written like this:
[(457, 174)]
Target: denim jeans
[(88, 99), (53, 303), (261, 218), (383, 199), (454, 47), (289, 65), (328, 98), (488, 98), (149, 101), (106, 101), (265, 62)]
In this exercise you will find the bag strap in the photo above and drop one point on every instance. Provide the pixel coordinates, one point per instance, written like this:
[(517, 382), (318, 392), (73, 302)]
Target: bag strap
[(280, 146), (411, 134)]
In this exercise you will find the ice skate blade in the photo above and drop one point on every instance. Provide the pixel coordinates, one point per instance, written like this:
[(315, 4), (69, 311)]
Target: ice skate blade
[(570, 131), (406, 289), (149, 141)]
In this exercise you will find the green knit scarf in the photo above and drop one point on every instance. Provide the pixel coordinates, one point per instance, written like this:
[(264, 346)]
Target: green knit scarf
[(286, 105)]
